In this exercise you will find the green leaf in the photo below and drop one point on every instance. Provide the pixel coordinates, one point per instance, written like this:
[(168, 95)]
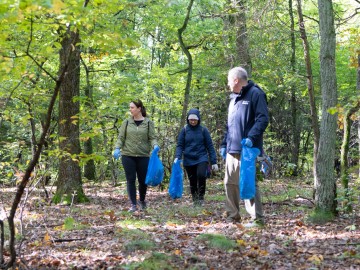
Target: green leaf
[(69, 223)]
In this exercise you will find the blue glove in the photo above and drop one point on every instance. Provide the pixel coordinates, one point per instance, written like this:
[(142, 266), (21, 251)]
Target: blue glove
[(223, 153), (247, 142), (156, 147), (117, 153)]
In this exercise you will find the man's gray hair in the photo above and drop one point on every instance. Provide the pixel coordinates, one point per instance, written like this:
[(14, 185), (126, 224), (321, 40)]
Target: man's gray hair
[(239, 72)]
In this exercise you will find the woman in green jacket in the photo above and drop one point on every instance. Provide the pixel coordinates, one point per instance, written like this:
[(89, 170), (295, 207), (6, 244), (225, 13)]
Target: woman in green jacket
[(136, 140)]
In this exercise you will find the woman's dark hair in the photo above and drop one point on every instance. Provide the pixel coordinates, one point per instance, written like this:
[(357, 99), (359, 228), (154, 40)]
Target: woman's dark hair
[(138, 103)]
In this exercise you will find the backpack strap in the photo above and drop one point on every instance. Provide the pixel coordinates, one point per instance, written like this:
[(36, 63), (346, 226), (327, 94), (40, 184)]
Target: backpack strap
[(202, 132), (127, 122)]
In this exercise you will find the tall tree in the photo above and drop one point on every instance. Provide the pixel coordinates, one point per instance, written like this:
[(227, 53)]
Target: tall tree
[(358, 88), (235, 24), (89, 167), (293, 101), (348, 113), (325, 189), (186, 51), (69, 184), (310, 85), (242, 41)]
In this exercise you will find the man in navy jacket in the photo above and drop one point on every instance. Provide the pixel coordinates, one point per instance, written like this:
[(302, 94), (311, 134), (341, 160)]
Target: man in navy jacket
[(247, 119)]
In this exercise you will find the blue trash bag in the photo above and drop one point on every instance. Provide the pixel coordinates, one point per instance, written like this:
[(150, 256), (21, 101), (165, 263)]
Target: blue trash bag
[(248, 171), (176, 181), (155, 171)]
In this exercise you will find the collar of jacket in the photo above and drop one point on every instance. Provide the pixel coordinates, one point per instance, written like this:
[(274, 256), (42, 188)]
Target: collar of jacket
[(244, 90), (131, 120)]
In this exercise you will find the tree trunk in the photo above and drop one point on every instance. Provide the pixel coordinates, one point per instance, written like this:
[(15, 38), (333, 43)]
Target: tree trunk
[(242, 41), (310, 87), (358, 88), (294, 105), (237, 23), (69, 185), (325, 192), (190, 64), (344, 170), (89, 168)]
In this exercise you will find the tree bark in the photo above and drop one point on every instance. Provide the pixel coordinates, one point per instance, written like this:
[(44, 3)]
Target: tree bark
[(325, 192), (242, 41), (358, 88), (69, 184), (236, 23), (310, 87), (293, 101), (344, 170)]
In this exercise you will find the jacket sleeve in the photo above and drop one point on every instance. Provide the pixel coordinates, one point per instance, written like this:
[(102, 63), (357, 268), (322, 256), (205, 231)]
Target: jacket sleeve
[(261, 115), (180, 147), (223, 143), (152, 136), (121, 138), (210, 146)]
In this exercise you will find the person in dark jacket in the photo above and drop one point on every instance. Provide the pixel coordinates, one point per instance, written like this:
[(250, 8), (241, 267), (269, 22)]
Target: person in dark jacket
[(247, 119), (195, 145)]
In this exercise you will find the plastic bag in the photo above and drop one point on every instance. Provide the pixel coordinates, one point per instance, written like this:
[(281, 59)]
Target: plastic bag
[(266, 166), (155, 171), (176, 181), (248, 171)]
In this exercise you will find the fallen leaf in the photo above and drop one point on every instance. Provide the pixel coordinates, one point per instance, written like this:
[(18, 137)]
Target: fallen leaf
[(47, 240), (241, 242)]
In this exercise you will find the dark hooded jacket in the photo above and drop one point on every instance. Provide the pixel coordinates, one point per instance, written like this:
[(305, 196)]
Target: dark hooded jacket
[(195, 144), (248, 117)]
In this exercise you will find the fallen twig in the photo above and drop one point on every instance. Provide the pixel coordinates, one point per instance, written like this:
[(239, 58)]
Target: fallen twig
[(68, 240)]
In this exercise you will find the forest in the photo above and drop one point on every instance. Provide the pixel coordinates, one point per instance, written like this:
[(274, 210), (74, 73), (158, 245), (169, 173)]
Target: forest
[(70, 68)]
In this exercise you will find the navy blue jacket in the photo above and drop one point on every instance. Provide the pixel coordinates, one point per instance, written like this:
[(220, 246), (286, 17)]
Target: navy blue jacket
[(195, 144), (248, 117)]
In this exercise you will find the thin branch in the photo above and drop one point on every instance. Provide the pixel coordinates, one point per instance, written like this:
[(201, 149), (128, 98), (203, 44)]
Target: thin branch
[(40, 65), (196, 45), (180, 71), (311, 18), (68, 240), (343, 21)]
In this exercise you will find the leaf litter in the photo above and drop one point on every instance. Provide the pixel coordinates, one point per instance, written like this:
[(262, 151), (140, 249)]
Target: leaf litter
[(174, 234)]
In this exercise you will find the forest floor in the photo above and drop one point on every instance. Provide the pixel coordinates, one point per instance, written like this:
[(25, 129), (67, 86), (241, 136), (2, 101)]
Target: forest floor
[(102, 234)]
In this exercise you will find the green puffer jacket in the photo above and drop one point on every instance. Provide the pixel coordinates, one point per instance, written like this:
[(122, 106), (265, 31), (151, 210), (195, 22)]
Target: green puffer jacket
[(136, 141)]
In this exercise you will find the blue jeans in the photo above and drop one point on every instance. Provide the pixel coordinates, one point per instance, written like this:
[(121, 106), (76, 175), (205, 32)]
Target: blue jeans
[(135, 166)]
